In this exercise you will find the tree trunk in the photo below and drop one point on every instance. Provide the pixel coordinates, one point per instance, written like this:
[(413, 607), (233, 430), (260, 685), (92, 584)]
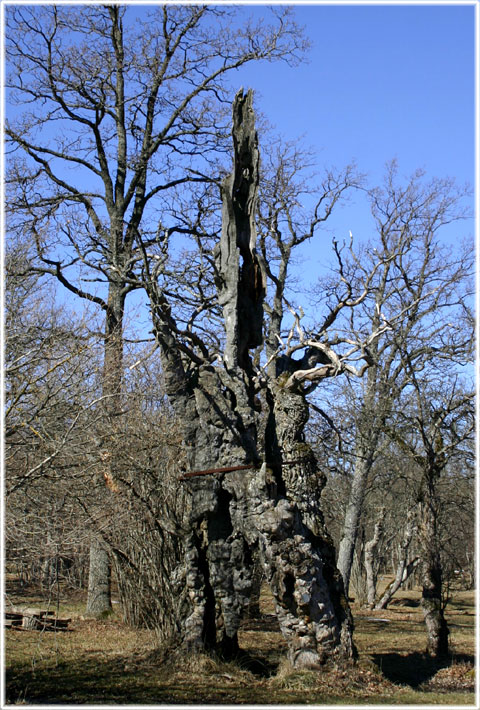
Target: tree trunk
[(404, 569), (352, 516), (431, 602), (271, 506), (369, 424), (298, 553), (370, 567), (276, 509), (99, 602)]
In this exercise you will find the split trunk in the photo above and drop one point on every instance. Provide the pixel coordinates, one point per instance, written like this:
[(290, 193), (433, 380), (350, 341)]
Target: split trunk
[(269, 508)]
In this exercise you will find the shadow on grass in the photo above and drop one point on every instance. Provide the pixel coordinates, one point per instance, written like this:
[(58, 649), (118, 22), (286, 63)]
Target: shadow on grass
[(261, 667), (415, 668), (87, 682), (125, 681), (105, 684)]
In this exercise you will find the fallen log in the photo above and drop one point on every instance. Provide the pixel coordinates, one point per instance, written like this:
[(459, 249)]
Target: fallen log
[(34, 620), (12, 623), (14, 615)]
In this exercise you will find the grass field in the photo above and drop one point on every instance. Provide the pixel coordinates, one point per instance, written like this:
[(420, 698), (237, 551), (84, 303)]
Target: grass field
[(106, 662)]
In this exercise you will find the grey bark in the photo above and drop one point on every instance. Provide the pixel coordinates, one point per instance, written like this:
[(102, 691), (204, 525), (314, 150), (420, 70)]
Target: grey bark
[(271, 507), (300, 556), (431, 601), (370, 552), (367, 436), (363, 464), (258, 576), (404, 568), (99, 581), (99, 601)]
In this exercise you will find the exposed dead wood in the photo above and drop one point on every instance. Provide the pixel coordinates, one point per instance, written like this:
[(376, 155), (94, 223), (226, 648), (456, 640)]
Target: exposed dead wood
[(230, 469)]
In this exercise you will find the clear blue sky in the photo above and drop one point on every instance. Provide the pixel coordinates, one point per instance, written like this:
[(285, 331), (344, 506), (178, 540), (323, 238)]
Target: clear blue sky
[(382, 82)]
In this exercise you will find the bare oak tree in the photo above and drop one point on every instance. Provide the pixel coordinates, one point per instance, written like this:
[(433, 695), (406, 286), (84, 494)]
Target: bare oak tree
[(420, 291), (434, 429)]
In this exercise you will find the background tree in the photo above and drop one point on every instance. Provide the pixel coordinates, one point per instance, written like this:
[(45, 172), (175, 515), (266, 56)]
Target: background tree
[(51, 387), (423, 287), (116, 113), (439, 427), (56, 497)]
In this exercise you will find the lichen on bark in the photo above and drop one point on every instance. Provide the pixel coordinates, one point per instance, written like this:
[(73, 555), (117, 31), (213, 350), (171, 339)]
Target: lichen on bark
[(269, 511)]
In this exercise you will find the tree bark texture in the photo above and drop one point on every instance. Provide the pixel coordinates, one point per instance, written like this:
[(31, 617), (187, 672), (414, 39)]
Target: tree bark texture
[(363, 464), (99, 577), (431, 601), (370, 554), (270, 509)]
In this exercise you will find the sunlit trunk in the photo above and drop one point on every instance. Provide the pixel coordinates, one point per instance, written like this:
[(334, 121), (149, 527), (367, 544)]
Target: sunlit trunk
[(254, 482), (99, 601)]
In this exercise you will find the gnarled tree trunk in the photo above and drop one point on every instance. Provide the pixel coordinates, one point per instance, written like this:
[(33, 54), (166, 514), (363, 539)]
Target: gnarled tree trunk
[(267, 503), (299, 554)]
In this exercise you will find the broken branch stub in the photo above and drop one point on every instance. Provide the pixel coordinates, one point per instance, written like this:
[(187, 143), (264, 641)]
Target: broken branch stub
[(241, 278)]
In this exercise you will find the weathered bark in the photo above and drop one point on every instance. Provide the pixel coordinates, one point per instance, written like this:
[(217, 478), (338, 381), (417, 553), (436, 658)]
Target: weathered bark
[(241, 288), (431, 601), (222, 430), (363, 464), (298, 553), (271, 507), (258, 576)]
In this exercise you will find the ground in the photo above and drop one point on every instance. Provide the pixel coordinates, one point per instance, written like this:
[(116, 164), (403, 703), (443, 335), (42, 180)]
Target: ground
[(106, 662)]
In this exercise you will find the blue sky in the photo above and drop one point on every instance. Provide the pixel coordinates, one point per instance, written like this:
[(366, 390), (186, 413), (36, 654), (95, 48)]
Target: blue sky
[(382, 82)]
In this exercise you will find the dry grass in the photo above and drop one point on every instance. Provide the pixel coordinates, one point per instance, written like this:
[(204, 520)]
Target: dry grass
[(105, 662)]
